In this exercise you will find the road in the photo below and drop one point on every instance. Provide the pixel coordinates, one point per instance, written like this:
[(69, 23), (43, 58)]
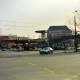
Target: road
[(30, 65)]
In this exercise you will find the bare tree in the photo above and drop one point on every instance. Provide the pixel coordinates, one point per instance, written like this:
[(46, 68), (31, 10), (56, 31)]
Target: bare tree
[(70, 22), (78, 18)]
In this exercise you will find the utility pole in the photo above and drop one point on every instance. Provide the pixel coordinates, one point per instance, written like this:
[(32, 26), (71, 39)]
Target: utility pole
[(76, 44)]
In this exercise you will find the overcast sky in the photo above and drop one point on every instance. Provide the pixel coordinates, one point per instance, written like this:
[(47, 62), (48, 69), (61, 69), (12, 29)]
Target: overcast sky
[(23, 17)]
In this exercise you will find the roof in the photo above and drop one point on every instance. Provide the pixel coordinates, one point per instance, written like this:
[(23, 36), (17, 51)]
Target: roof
[(41, 31), (58, 28)]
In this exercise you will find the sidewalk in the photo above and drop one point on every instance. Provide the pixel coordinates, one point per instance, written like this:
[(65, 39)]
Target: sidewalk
[(65, 52)]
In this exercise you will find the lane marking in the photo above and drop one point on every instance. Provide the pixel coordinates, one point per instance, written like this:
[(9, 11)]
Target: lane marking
[(48, 70), (32, 64), (68, 79), (72, 77)]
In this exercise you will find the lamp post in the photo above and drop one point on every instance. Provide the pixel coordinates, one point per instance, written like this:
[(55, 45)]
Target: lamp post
[(75, 32)]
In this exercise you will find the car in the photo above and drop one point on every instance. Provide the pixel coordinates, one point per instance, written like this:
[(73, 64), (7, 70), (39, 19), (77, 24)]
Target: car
[(3, 49), (46, 50)]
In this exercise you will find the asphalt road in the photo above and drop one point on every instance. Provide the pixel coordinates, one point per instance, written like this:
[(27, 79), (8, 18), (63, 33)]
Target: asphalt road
[(33, 66)]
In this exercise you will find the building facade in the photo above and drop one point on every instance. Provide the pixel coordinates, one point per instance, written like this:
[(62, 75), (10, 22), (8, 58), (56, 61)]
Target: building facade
[(55, 34), (8, 44), (58, 31)]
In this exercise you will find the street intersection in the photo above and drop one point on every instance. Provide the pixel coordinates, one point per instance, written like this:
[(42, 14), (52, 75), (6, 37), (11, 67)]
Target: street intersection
[(30, 65)]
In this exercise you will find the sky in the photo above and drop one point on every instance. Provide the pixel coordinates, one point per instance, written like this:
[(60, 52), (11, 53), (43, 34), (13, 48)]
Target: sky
[(24, 17)]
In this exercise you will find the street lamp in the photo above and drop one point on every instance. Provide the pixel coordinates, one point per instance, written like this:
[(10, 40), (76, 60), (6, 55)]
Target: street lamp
[(75, 31)]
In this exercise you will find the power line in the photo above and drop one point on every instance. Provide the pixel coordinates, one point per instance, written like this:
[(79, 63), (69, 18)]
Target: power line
[(23, 22)]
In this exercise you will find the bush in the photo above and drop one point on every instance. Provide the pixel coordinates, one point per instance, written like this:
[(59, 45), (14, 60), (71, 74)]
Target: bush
[(58, 48)]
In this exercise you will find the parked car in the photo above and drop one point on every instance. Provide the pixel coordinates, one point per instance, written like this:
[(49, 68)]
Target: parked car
[(3, 49), (46, 50)]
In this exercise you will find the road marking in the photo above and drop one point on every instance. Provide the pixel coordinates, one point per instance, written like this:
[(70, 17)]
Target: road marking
[(32, 64), (48, 70), (71, 77), (74, 76), (68, 79)]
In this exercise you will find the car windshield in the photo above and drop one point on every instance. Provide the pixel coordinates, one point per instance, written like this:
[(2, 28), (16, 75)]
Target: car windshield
[(45, 48)]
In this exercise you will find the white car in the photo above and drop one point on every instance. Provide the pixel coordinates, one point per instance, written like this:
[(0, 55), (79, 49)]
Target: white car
[(46, 50), (3, 49)]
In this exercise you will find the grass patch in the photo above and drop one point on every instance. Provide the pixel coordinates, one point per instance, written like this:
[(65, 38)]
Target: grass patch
[(0, 52)]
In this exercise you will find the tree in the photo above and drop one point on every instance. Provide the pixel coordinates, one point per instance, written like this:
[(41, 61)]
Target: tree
[(78, 18), (71, 23)]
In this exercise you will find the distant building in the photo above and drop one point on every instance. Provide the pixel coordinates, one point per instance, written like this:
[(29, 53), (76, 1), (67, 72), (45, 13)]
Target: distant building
[(58, 31), (12, 35), (55, 34), (9, 44)]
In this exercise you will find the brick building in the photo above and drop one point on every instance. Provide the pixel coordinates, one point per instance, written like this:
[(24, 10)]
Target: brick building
[(7, 44)]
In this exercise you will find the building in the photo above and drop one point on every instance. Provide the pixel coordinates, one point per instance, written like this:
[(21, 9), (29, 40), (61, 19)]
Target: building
[(5, 40), (58, 31), (55, 34)]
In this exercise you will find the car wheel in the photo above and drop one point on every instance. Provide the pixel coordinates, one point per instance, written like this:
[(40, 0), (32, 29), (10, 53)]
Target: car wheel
[(40, 53), (48, 52), (51, 51)]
